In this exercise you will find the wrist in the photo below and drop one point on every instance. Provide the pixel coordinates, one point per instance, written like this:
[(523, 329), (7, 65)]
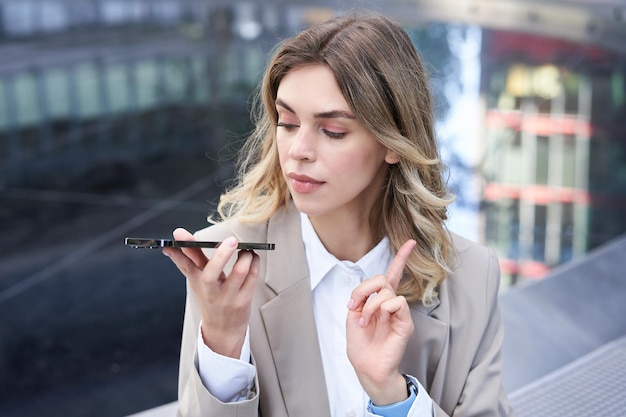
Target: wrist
[(391, 392), (225, 345), (399, 408)]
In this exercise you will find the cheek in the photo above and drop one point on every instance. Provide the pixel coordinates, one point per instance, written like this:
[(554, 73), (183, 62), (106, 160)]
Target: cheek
[(354, 166), (371, 169), (365, 158), (282, 148)]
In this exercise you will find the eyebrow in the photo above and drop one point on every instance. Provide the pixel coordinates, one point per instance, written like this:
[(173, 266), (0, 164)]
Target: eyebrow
[(332, 114)]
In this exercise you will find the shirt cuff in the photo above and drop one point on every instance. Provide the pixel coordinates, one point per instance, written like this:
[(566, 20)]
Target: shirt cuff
[(227, 379), (419, 404)]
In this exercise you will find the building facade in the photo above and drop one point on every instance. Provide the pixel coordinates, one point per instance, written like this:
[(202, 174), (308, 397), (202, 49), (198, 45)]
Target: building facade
[(555, 150)]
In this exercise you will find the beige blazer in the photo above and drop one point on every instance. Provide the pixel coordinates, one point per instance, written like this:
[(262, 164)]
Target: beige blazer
[(454, 352)]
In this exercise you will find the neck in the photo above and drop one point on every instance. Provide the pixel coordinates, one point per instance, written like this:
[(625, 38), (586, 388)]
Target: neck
[(348, 239)]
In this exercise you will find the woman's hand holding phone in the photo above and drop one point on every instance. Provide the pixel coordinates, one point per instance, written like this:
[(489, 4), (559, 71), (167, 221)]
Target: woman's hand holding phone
[(224, 298)]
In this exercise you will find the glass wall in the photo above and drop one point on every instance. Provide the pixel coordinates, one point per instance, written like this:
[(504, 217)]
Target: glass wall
[(117, 118)]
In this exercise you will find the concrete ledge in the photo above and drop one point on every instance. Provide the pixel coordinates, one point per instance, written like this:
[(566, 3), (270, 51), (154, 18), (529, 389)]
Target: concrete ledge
[(166, 410), (590, 386), (577, 309)]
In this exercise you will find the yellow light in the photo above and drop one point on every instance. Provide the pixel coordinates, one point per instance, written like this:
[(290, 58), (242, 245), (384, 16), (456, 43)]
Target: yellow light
[(543, 81)]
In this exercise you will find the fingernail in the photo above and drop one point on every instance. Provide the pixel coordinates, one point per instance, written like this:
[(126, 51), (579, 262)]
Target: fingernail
[(351, 304), (166, 253), (362, 322), (231, 242)]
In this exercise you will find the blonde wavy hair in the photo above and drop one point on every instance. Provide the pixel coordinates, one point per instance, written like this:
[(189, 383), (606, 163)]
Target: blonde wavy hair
[(382, 78)]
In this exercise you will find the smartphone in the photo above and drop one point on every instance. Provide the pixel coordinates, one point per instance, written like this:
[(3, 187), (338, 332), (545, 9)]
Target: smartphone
[(136, 242)]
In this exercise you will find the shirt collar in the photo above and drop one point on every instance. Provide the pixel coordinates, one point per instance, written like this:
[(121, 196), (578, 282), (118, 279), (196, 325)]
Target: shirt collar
[(321, 262)]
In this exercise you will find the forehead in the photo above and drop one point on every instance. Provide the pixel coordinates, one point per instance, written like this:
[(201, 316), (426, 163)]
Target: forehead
[(314, 87)]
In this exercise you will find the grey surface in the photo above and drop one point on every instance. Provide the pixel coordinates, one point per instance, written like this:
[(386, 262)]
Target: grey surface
[(166, 410), (577, 309), (590, 386)]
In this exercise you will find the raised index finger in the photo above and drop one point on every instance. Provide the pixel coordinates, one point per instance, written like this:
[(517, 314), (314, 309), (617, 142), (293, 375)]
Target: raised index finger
[(396, 269)]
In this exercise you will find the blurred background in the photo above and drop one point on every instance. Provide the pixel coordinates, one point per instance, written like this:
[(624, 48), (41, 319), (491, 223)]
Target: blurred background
[(121, 118)]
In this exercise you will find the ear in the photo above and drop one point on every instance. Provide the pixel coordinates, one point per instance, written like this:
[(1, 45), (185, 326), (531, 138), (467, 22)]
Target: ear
[(391, 157)]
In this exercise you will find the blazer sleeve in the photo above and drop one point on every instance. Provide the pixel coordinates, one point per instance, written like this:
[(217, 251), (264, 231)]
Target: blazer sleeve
[(483, 394), (194, 400)]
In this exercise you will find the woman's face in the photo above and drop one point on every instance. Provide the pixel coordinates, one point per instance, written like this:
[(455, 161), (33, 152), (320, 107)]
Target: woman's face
[(331, 163)]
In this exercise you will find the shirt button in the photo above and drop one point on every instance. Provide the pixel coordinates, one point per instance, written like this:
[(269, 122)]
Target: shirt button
[(351, 413), (347, 279)]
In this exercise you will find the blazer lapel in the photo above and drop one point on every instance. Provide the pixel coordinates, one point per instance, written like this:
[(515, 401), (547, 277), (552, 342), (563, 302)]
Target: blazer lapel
[(289, 321)]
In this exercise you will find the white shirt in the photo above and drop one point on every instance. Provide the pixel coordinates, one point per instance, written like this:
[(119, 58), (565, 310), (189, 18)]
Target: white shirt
[(332, 282)]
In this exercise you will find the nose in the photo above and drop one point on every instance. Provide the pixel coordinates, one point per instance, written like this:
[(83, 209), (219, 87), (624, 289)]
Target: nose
[(303, 145)]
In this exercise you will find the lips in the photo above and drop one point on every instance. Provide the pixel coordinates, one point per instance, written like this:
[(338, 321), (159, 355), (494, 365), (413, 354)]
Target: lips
[(303, 184)]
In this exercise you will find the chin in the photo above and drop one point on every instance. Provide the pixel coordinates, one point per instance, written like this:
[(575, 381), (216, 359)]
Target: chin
[(310, 208)]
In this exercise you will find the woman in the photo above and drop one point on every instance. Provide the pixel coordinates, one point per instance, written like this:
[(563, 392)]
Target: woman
[(368, 305)]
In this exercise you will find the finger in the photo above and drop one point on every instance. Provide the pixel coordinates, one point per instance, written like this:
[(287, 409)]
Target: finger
[(374, 304), (214, 269), (184, 264), (240, 284), (240, 271), (396, 269), (253, 273), (195, 254), (396, 305), (365, 290)]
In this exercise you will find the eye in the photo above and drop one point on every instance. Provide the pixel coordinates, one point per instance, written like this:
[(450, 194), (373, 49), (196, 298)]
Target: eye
[(333, 135), (287, 126)]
